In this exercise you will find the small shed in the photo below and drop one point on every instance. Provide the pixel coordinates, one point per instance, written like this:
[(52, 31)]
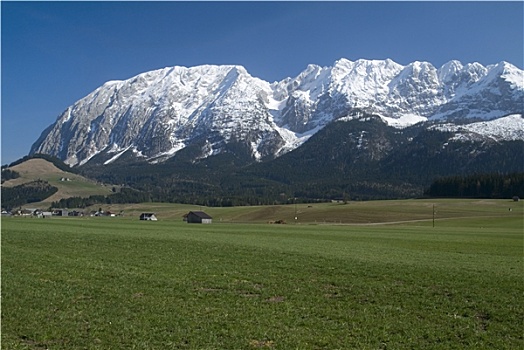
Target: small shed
[(198, 217), (148, 216)]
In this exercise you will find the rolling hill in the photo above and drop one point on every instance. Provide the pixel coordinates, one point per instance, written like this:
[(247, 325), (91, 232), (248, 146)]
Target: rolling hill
[(68, 184)]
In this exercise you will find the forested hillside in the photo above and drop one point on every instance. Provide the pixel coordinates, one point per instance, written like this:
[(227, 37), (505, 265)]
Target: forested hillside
[(30, 192)]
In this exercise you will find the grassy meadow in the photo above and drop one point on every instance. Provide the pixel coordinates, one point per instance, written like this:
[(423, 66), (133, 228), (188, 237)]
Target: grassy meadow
[(240, 283)]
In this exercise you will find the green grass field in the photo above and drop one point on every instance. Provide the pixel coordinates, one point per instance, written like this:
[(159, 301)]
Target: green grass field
[(119, 283)]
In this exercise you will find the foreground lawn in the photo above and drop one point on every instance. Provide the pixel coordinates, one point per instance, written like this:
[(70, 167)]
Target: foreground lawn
[(95, 283)]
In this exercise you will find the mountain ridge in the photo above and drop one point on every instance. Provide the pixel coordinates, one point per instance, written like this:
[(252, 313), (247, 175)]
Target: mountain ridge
[(361, 158), (156, 114)]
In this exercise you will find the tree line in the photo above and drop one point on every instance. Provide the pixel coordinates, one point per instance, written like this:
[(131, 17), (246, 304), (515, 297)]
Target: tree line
[(126, 195), (472, 186), (8, 174), (34, 191), (479, 186)]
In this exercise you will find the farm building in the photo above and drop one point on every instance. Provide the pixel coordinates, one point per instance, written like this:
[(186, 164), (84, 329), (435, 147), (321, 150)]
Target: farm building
[(148, 216), (28, 212), (198, 217), (60, 212), (42, 214)]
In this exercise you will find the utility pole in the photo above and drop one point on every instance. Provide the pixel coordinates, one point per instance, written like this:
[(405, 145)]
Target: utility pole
[(295, 200), (433, 215)]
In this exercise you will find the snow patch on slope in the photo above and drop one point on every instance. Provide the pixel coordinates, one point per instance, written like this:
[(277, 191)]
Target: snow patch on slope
[(404, 121), (117, 155), (507, 128)]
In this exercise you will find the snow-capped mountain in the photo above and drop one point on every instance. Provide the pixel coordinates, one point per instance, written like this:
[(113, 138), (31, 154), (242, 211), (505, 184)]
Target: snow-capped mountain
[(158, 113)]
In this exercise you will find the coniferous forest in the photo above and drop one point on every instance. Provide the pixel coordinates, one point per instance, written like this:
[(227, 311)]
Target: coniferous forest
[(479, 186), (34, 191)]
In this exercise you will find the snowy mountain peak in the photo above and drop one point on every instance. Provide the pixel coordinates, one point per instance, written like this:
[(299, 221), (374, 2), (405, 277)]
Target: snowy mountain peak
[(157, 114), (511, 74), (449, 71)]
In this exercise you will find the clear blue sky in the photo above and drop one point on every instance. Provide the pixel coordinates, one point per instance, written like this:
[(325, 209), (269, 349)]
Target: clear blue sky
[(54, 53)]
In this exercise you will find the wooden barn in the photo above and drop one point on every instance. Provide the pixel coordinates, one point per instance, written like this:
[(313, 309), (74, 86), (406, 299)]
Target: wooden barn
[(198, 217)]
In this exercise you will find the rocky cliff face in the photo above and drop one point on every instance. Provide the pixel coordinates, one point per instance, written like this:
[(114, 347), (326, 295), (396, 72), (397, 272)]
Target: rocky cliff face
[(158, 113)]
